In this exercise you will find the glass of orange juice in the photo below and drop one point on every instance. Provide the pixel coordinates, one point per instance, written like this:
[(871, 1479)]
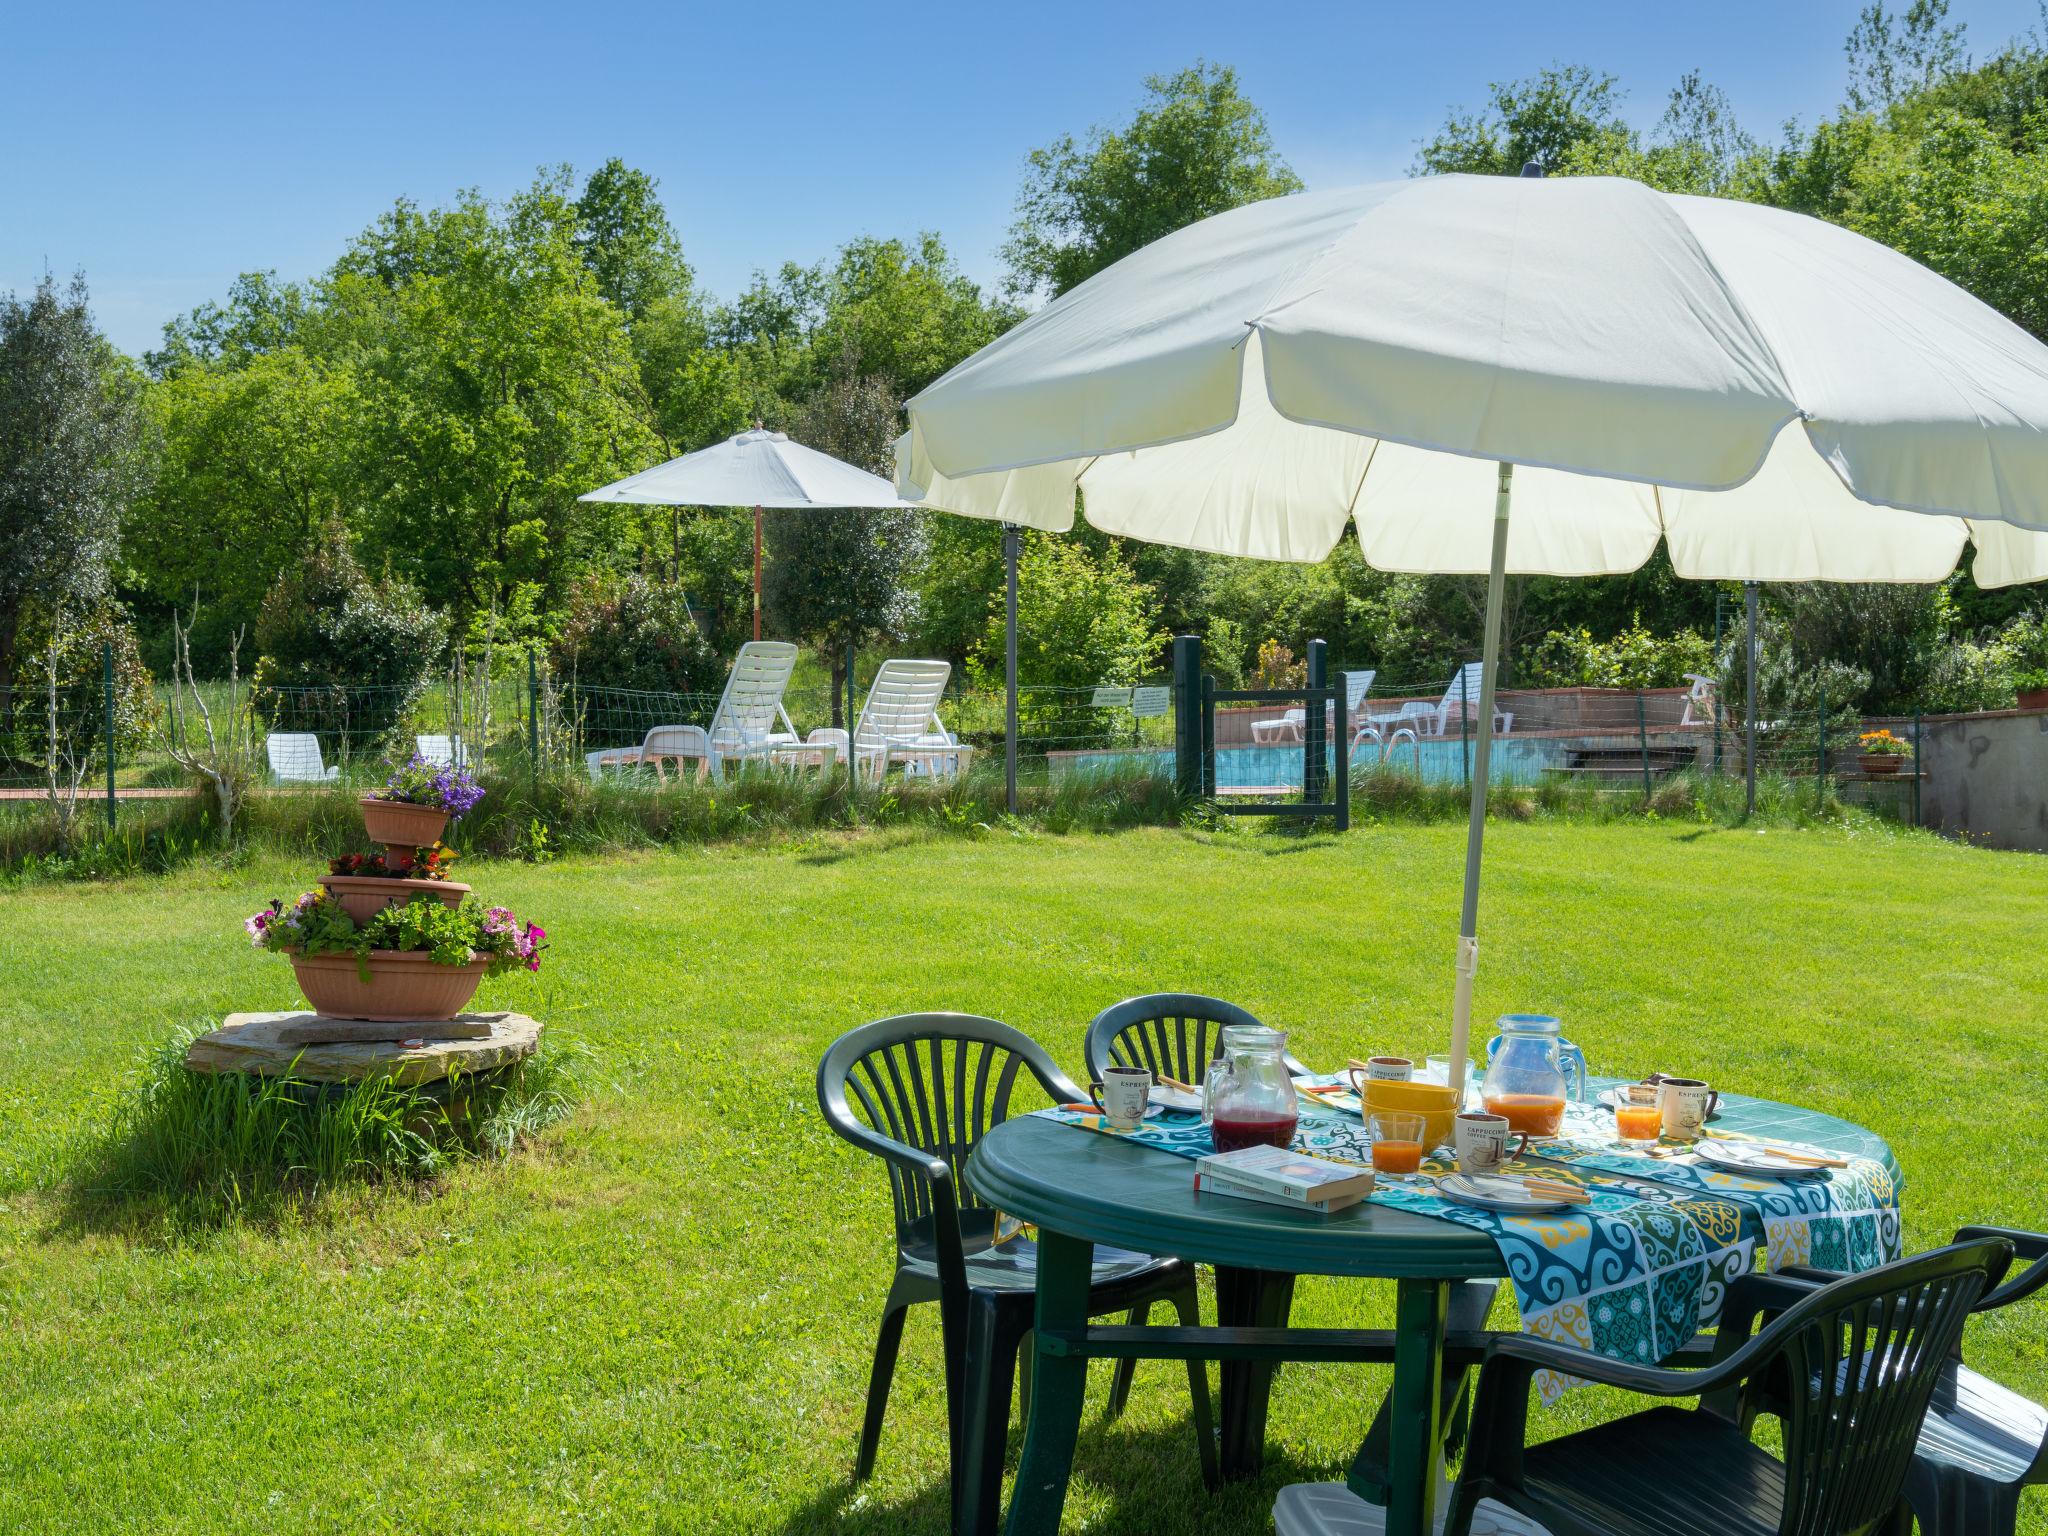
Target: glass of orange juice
[(1638, 1118), (1396, 1141)]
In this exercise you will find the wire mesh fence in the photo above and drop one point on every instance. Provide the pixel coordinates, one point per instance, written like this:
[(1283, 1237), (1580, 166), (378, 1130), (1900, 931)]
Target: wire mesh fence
[(1622, 741)]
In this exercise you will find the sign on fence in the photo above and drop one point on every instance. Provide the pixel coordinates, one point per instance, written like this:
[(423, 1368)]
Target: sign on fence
[(1149, 702), (1108, 697)]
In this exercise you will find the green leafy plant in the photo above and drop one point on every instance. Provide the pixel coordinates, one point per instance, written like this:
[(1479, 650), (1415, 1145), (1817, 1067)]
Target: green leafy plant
[(318, 924)]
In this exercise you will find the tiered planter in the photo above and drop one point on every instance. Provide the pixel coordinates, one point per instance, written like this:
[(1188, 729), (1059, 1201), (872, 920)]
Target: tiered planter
[(364, 896), (404, 986), (2033, 698), (401, 827), (1873, 763)]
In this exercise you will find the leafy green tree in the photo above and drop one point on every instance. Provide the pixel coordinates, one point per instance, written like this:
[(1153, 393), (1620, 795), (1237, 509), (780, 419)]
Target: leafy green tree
[(73, 455), (496, 386), (839, 576), (1544, 118), (1892, 53), (254, 469), (261, 316), (1196, 146), (626, 240)]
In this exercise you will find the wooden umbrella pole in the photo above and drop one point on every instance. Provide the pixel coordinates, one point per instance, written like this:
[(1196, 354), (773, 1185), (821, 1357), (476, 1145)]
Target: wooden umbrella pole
[(757, 573)]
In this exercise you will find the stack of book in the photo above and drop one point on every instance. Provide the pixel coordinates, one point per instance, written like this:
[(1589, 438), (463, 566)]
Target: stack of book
[(1277, 1176)]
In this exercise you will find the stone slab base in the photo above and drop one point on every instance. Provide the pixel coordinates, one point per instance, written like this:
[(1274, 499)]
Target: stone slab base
[(277, 1045)]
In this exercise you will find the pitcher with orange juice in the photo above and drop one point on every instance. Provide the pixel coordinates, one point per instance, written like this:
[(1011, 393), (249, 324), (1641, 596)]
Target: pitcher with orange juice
[(1530, 1077)]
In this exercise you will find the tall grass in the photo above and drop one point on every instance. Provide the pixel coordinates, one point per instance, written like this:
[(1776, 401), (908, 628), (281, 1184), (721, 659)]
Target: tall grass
[(531, 817), (191, 1149)]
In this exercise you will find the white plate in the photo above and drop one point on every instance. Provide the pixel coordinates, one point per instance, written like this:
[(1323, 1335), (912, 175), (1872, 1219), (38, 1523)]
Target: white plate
[(1750, 1157), (1175, 1098), (1493, 1192)]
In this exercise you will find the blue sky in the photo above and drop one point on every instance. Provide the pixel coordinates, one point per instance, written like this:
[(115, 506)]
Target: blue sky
[(163, 149)]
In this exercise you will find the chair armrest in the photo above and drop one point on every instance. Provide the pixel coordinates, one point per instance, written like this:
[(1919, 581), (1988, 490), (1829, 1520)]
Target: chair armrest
[(2030, 1246)]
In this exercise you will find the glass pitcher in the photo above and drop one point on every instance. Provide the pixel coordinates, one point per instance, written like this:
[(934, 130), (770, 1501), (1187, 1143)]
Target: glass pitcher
[(1531, 1073), (1248, 1096)]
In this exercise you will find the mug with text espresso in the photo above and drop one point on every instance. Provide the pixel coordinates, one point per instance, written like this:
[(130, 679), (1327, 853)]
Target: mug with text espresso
[(1122, 1095), (1685, 1103)]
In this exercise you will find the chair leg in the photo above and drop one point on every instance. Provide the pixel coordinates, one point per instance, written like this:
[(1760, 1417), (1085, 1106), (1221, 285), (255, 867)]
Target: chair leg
[(1187, 1308), (984, 1435), (1027, 1374), (1126, 1368), (1465, 1496), (888, 1338)]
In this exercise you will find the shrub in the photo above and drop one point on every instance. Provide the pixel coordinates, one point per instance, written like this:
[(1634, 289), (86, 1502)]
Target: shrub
[(1277, 668), (1081, 620), (1635, 658), (637, 634), (81, 688), (342, 653)]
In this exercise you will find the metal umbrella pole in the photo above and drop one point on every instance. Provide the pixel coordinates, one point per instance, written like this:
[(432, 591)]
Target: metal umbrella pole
[(1010, 543), (1482, 763)]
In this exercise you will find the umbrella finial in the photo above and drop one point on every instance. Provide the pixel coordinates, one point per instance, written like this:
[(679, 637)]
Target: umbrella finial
[(1532, 167)]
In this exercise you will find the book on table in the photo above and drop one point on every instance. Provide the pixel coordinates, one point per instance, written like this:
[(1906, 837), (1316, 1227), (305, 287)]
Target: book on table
[(1206, 1184), (1275, 1173)]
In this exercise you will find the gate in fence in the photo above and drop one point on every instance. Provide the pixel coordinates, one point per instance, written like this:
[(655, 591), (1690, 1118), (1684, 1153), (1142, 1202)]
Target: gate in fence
[(1325, 732)]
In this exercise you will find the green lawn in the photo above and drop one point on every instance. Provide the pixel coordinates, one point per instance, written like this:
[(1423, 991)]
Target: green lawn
[(659, 1319)]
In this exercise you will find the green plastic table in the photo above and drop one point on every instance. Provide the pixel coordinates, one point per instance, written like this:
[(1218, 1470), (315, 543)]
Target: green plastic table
[(1080, 1189)]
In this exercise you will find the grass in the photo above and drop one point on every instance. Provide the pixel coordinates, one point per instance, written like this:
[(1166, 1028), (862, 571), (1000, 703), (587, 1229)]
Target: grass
[(656, 1317)]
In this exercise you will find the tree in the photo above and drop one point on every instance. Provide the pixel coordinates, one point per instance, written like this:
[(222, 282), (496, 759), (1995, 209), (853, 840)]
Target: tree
[(627, 242), (635, 634), (1196, 146), (1891, 54), (72, 458), (837, 576), (1543, 118)]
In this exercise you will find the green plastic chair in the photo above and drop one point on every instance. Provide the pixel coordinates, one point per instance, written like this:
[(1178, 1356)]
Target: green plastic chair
[(1170, 1034), (920, 1091), (1848, 1367)]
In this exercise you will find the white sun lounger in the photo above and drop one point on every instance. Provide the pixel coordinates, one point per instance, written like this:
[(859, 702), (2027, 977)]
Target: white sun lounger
[(743, 727), (899, 723), (295, 758)]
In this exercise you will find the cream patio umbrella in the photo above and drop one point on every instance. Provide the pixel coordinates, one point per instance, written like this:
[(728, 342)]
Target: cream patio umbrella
[(1774, 397), (757, 469)]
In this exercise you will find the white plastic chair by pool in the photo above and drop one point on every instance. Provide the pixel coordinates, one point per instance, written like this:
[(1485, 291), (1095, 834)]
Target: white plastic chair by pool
[(295, 758), (662, 744)]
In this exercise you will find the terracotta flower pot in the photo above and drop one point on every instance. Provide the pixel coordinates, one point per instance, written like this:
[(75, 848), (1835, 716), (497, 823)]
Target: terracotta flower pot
[(404, 986), (2033, 698), (364, 896), (401, 827), (1886, 763)]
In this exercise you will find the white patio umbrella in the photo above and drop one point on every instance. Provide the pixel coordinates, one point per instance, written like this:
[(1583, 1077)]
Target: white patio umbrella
[(1774, 397), (757, 469)]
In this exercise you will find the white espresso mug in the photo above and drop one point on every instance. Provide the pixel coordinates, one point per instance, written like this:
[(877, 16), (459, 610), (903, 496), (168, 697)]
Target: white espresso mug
[(1381, 1069), (1122, 1095), (1685, 1103), (1482, 1142)]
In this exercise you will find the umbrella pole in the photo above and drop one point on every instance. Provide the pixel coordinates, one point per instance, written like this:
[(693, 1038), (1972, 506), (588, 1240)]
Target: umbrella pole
[(1482, 763), (757, 573), (1010, 666)]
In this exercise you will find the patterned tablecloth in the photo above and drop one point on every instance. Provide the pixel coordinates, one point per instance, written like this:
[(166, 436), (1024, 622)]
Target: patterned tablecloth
[(1645, 1266)]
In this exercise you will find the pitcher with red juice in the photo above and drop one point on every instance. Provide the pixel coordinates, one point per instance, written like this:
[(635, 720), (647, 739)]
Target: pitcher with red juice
[(1530, 1078), (1248, 1096)]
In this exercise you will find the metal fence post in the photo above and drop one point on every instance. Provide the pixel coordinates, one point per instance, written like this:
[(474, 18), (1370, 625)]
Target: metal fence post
[(1187, 716), (1749, 701), (1207, 729), (1719, 598), (107, 683), (1643, 740), (1820, 778), (1341, 750), (1313, 730), (1918, 768), (1465, 729), (533, 721)]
